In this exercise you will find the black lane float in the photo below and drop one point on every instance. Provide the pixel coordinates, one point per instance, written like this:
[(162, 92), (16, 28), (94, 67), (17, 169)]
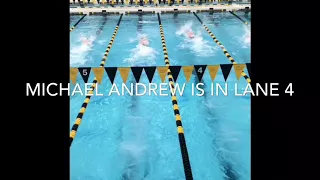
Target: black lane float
[(95, 81), (225, 52), (245, 22), (182, 141), (74, 26)]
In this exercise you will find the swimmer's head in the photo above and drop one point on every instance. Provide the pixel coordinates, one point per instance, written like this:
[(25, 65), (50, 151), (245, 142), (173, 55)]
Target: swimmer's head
[(144, 41), (190, 35)]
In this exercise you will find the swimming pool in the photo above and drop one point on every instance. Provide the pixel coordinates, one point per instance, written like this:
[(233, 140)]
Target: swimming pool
[(136, 136)]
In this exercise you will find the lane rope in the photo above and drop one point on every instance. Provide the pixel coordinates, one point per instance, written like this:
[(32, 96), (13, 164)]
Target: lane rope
[(182, 141), (226, 53), (87, 100), (245, 22), (74, 26)]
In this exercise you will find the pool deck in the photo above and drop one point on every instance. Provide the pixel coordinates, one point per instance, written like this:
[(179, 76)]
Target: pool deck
[(159, 9)]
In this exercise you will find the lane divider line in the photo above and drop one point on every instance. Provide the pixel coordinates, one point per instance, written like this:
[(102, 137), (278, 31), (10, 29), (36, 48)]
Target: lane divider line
[(182, 141), (226, 53), (245, 22), (247, 18), (74, 26), (98, 32), (87, 100)]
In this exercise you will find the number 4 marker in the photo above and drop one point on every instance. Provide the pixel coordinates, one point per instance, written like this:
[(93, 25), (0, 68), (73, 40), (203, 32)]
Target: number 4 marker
[(289, 89)]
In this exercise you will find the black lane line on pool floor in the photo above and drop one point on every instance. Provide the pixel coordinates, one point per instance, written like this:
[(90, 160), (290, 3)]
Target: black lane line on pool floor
[(207, 110), (130, 165), (182, 141), (74, 26), (133, 80), (247, 18), (98, 32), (245, 22), (225, 52), (87, 100)]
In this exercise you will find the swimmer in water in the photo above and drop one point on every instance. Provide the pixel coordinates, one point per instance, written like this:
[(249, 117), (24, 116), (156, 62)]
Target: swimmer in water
[(86, 41), (144, 41), (190, 34), (248, 39)]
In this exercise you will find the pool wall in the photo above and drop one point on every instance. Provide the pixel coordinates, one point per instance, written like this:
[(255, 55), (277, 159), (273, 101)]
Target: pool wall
[(161, 9)]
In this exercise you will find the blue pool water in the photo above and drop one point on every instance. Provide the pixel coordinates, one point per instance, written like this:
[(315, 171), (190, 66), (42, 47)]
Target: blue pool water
[(136, 137)]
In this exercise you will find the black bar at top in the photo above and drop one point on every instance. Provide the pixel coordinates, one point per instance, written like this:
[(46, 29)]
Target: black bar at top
[(159, 18), (118, 24), (198, 17), (237, 17), (79, 20)]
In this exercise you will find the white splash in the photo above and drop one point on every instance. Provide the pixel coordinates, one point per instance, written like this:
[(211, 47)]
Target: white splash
[(246, 38), (197, 44), (184, 29), (147, 22), (141, 55), (79, 52)]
